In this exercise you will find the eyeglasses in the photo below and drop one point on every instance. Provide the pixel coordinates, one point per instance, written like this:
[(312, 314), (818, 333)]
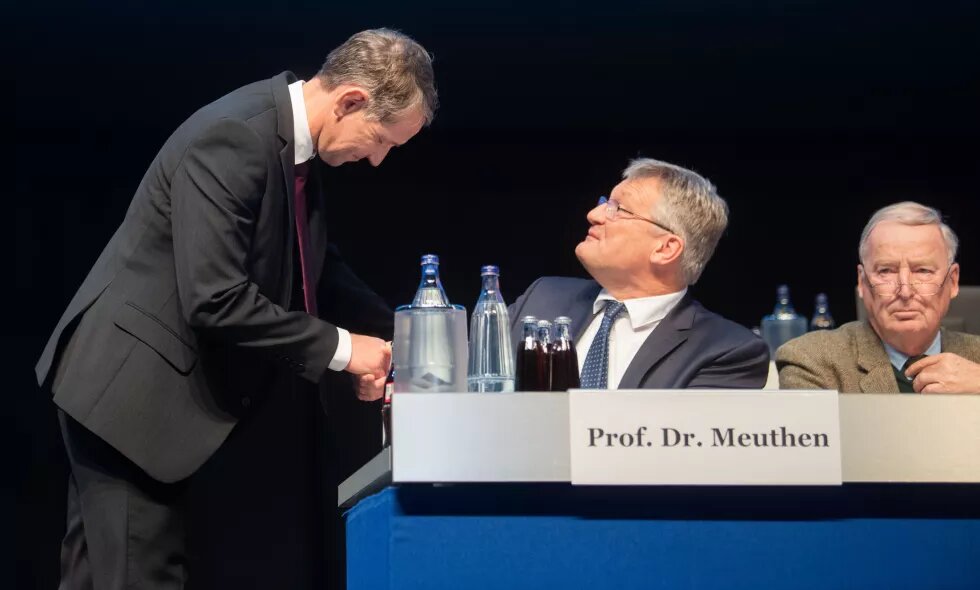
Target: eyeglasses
[(890, 288), (614, 211)]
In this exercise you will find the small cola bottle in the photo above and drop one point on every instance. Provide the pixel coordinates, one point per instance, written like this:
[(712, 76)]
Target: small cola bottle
[(525, 363), (542, 357), (564, 359), (386, 408)]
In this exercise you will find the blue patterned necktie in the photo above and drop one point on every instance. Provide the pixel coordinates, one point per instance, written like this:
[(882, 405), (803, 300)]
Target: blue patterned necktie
[(595, 370)]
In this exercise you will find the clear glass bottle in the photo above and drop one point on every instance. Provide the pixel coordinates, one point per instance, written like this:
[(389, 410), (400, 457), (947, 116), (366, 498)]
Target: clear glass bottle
[(430, 345), (822, 320), (491, 355), (430, 292), (525, 363), (564, 359), (783, 324)]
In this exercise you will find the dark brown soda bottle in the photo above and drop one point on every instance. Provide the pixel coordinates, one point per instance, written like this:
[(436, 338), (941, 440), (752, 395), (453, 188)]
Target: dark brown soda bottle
[(386, 408), (542, 357), (525, 361), (564, 359)]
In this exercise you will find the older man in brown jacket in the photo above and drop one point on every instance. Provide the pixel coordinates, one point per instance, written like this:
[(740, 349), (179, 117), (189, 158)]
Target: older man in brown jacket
[(907, 276)]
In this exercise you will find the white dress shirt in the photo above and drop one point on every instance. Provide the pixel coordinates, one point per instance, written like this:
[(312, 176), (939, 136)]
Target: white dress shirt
[(898, 359), (304, 151), (629, 331)]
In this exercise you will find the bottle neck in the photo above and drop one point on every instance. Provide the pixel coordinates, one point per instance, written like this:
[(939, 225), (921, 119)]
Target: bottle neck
[(430, 276), (784, 308), (430, 292), (491, 288)]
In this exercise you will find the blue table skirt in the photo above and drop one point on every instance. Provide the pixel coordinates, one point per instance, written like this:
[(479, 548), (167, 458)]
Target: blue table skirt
[(559, 537)]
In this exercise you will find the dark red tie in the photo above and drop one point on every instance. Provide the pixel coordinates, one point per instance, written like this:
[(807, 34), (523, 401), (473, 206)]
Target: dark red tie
[(303, 237)]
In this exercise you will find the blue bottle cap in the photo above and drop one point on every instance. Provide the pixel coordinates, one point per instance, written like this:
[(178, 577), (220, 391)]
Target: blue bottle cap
[(430, 259), (490, 269)]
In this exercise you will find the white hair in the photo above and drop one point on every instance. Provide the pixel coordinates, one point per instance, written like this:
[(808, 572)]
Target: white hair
[(910, 213), (689, 204)]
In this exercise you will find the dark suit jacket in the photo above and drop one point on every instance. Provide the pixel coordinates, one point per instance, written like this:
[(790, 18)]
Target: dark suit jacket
[(852, 359), (691, 348), (184, 323)]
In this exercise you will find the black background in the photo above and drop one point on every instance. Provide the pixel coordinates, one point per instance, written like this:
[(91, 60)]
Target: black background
[(808, 116)]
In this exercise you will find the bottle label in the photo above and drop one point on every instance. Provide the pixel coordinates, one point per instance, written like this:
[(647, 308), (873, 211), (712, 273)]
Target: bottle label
[(389, 389)]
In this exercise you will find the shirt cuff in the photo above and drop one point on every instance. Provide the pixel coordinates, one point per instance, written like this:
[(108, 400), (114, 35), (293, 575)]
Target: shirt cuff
[(341, 358)]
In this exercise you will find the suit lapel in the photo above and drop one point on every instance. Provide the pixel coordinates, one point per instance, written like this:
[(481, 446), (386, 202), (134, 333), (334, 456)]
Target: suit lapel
[(878, 376), (581, 313), (955, 343), (667, 336), (287, 157)]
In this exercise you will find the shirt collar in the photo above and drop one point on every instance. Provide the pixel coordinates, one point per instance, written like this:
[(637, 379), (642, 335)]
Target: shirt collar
[(643, 311), (302, 140), (898, 359)]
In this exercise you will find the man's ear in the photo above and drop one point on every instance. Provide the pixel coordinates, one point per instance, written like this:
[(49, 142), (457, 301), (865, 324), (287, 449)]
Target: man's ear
[(350, 101), (954, 280), (860, 285), (668, 250)]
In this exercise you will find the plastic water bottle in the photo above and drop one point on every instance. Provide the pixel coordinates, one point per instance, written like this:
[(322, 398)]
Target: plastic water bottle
[(822, 320), (564, 359), (783, 324), (430, 292), (491, 362)]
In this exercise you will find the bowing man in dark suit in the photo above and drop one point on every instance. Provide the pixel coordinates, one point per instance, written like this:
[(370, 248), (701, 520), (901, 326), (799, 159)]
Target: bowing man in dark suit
[(204, 300), (636, 326)]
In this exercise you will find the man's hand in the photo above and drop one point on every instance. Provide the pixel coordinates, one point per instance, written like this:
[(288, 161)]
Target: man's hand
[(944, 373), (370, 389), (369, 356)]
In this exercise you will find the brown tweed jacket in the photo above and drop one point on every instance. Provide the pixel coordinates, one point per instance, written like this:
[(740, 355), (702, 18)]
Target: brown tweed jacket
[(852, 359)]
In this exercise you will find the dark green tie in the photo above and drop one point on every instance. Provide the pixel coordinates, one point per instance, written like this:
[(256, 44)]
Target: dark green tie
[(904, 383)]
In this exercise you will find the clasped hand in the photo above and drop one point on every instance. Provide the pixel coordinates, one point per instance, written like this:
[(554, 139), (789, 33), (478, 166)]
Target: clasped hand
[(944, 373), (370, 360)]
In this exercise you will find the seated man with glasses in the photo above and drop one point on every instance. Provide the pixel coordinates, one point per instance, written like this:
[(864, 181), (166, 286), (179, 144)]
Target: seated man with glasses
[(907, 276), (636, 325)]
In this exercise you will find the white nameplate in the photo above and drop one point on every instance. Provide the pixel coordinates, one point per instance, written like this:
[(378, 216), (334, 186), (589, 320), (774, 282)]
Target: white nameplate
[(714, 437)]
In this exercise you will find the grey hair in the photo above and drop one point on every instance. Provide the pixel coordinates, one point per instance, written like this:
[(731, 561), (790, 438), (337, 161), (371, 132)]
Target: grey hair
[(392, 67), (910, 213), (690, 205)]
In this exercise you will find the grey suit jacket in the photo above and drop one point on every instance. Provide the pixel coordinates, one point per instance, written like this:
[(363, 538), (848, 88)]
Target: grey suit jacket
[(852, 359), (691, 348), (183, 322)]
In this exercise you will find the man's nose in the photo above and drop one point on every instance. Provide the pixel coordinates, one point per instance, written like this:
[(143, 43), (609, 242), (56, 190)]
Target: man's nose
[(597, 215), (378, 157), (904, 284)]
